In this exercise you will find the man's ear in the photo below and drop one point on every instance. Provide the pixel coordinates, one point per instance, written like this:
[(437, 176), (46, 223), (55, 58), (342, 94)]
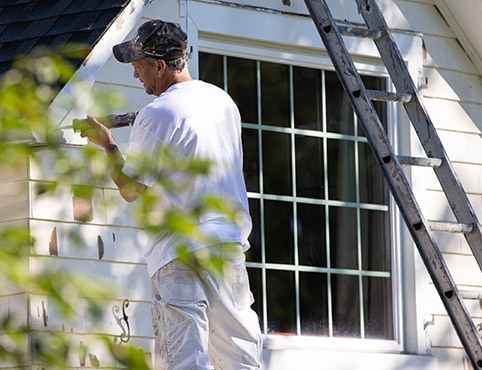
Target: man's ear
[(161, 65)]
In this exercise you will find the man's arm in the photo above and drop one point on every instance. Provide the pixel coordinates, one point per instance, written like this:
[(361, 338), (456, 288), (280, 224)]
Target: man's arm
[(99, 134)]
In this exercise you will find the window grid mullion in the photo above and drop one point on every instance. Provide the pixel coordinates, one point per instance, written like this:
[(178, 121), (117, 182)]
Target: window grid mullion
[(327, 208), (261, 200), (295, 207), (358, 229)]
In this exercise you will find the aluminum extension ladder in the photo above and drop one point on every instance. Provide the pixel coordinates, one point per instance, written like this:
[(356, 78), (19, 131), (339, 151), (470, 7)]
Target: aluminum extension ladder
[(436, 157)]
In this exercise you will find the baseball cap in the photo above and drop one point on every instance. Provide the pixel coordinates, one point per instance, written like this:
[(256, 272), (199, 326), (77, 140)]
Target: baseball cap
[(154, 38)]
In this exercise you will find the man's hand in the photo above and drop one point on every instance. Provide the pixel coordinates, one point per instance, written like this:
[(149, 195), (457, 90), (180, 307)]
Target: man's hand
[(98, 133)]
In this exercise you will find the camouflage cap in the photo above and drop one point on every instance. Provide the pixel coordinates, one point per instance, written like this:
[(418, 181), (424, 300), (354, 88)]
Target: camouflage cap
[(155, 38)]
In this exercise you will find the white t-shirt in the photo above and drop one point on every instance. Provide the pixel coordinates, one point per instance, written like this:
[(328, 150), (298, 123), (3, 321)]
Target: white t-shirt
[(197, 120)]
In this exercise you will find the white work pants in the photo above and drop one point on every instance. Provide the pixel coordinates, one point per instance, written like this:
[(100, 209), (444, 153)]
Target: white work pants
[(203, 320)]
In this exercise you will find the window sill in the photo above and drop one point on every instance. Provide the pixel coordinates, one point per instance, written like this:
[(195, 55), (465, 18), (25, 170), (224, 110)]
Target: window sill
[(293, 352), (276, 342)]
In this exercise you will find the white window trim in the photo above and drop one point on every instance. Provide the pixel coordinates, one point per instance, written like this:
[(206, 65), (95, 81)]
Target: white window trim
[(244, 32)]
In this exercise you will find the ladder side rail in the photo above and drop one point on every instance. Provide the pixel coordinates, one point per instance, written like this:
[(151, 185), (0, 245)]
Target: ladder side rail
[(398, 183), (429, 138)]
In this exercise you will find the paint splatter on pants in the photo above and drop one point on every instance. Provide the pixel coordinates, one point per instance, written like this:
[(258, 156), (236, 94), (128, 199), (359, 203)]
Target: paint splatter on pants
[(203, 320)]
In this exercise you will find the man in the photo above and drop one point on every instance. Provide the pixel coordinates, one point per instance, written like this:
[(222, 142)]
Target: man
[(201, 321)]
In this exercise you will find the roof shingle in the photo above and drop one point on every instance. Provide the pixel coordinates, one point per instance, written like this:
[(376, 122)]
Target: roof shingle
[(26, 24)]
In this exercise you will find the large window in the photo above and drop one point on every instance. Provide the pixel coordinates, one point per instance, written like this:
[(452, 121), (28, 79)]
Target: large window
[(320, 262)]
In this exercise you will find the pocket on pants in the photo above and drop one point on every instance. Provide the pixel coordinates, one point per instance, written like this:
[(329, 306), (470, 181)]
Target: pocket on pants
[(177, 283), (242, 296)]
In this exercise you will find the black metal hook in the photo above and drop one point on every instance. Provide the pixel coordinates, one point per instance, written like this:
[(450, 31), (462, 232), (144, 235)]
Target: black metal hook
[(123, 322)]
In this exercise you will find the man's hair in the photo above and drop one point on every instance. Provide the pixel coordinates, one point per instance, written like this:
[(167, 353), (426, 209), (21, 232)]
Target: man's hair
[(176, 65)]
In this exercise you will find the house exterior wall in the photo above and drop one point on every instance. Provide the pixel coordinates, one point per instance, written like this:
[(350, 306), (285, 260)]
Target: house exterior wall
[(14, 215), (113, 243), (452, 94)]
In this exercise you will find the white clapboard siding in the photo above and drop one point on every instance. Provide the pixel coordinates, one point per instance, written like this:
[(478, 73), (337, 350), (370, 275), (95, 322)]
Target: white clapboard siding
[(445, 52), (44, 315), (452, 85), (452, 92), (98, 242), (450, 114), (13, 200)]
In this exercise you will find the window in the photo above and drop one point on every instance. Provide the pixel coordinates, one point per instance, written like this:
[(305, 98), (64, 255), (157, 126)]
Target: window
[(320, 261)]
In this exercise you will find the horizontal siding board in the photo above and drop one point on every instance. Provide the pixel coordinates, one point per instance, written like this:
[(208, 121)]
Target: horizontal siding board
[(473, 305), (10, 171), (14, 309), (442, 334), (435, 207), (454, 115), (98, 354), (118, 211), (470, 175), (107, 206), (127, 280), (462, 147), (45, 316), (464, 269), (61, 205), (421, 17), (14, 200), (446, 53), (121, 244), (71, 161), (450, 358), (139, 319), (452, 85)]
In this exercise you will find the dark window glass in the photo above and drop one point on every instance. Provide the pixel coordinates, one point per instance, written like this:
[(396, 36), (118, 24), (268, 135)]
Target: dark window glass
[(254, 253), (211, 69), (309, 167), (307, 98), (341, 170), (280, 288), (339, 113), (346, 305), (372, 183), (243, 88), (275, 94), (256, 285), (314, 300), (375, 255), (343, 238), (251, 159), (377, 302), (277, 163), (311, 235), (278, 225)]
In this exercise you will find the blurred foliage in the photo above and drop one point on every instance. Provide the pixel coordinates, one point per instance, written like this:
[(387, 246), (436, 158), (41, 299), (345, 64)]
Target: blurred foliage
[(26, 94)]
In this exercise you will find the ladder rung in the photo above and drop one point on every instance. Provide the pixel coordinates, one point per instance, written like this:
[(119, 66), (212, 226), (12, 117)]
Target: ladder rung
[(451, 227), (471, 294), (418, 161), (387, 96), (360, 32)]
